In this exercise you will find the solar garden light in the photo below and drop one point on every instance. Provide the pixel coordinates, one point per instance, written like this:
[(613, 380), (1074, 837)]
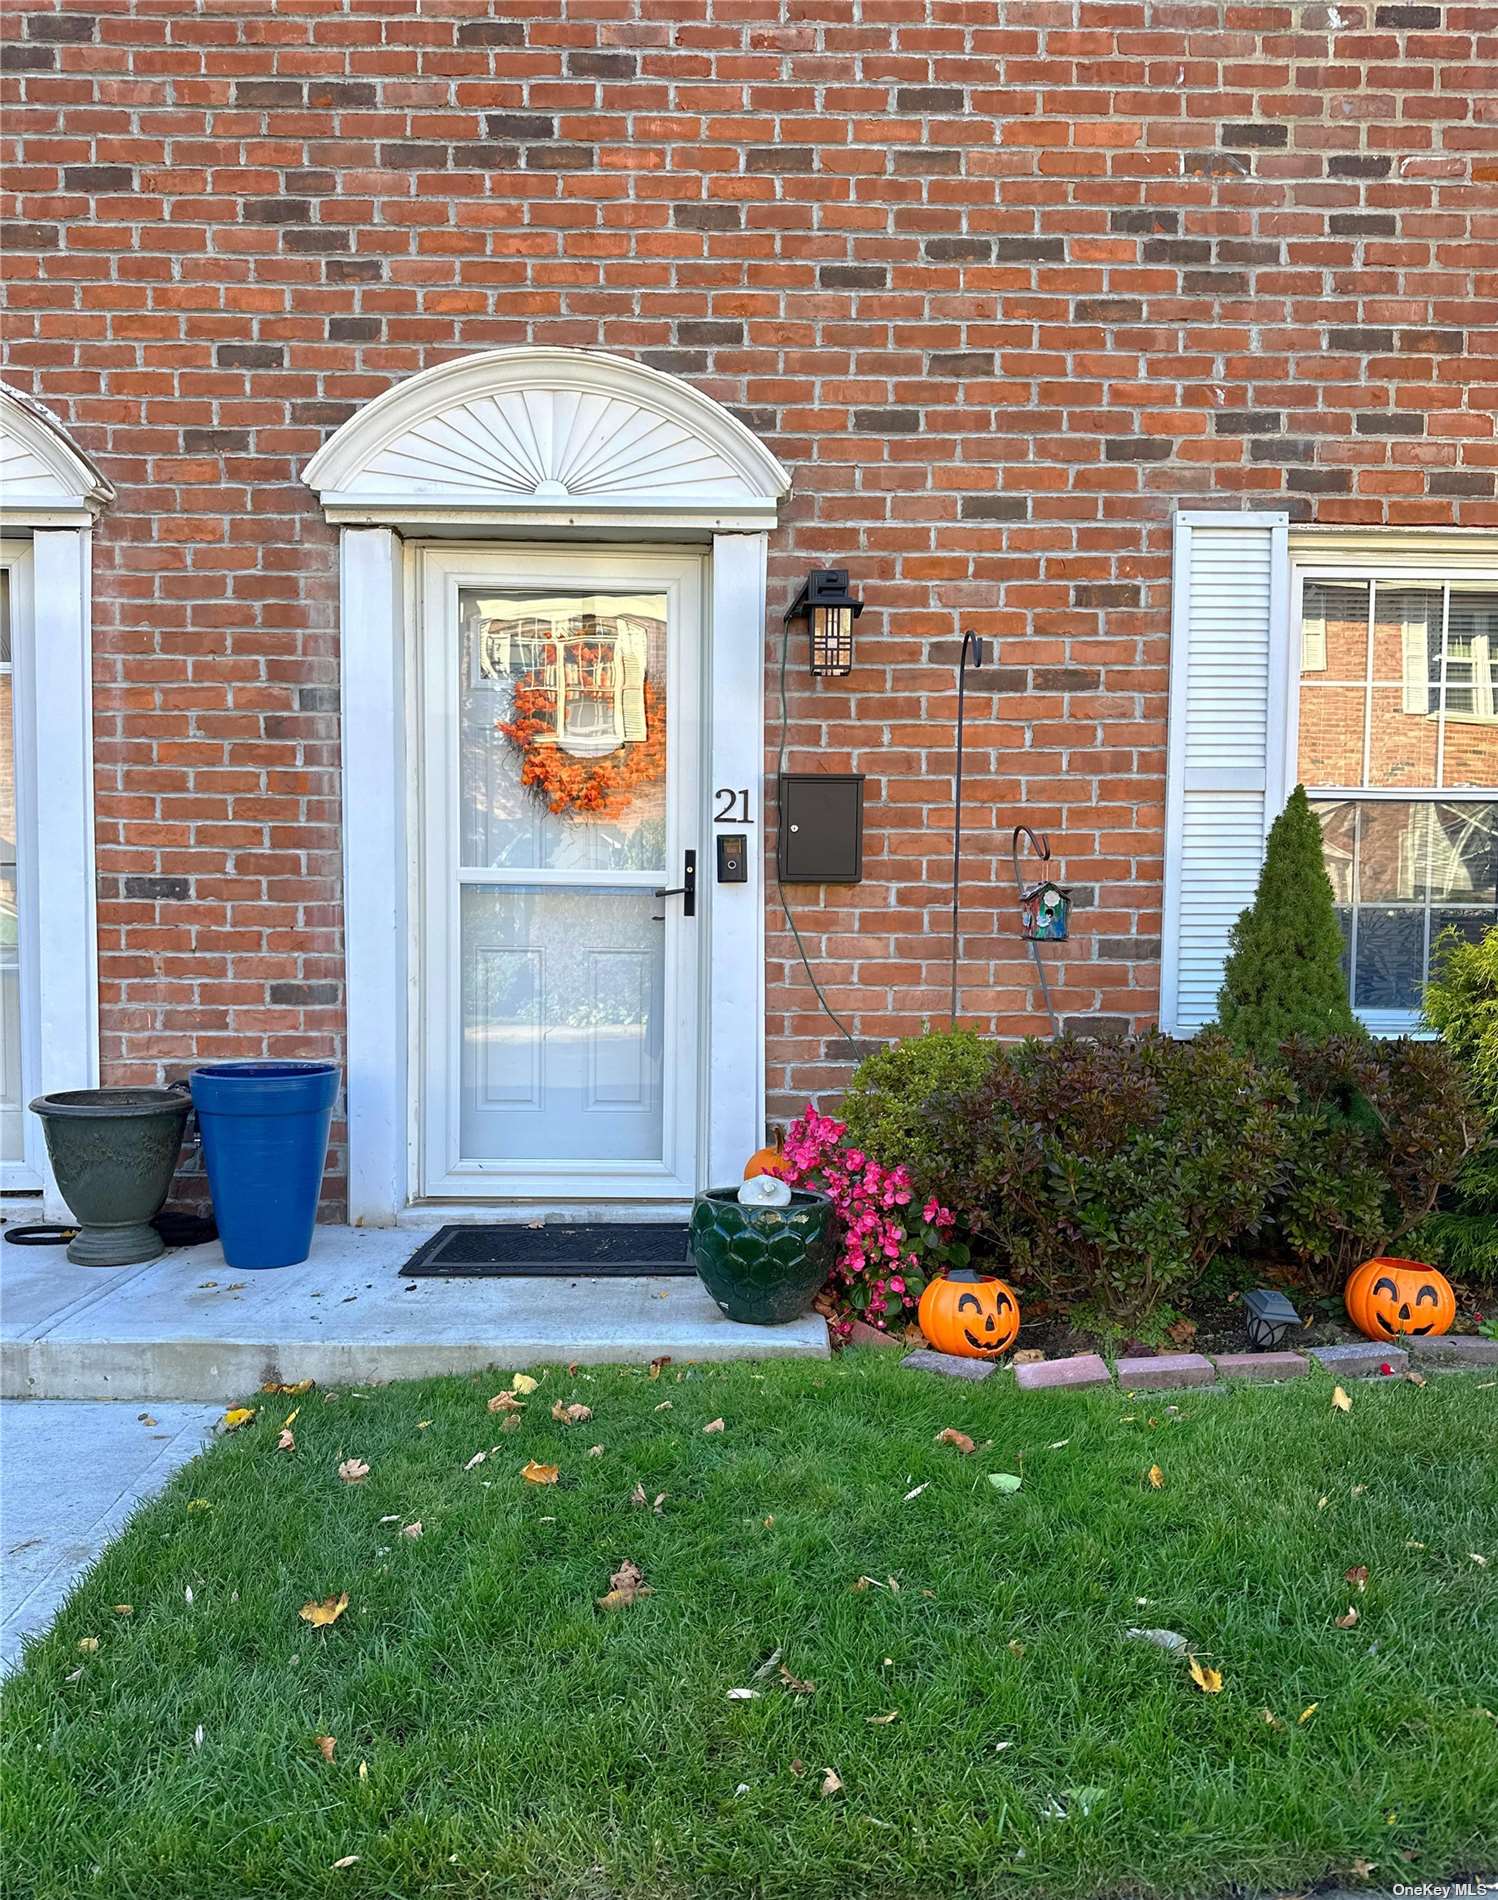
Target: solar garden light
[(1269, 1317)]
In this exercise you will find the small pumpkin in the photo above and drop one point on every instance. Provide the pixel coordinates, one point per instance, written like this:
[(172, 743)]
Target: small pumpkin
[(974, 1315), (767, 1160), (1388, 1298)]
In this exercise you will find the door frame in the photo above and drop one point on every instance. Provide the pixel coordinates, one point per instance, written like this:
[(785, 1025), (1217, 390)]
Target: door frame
[(437, 1165)]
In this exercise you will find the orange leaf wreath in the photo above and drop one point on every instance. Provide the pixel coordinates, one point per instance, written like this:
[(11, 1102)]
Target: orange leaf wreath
[(603, 787)]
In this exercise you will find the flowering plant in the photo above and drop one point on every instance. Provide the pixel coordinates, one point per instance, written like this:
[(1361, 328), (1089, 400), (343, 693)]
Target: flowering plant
[(889, 1252)]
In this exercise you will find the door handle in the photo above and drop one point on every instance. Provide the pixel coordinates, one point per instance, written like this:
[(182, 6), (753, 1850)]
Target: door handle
[(686, 890)]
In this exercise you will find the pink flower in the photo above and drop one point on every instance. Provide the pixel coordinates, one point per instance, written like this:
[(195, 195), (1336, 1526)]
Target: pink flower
[(896, 1284)]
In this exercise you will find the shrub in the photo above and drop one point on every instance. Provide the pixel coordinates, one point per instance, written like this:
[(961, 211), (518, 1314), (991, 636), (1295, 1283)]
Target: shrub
[(1112, 1173), (886, 1251), (1284, 972), (1461, 1004), (1377, 1130), (887, 1107)]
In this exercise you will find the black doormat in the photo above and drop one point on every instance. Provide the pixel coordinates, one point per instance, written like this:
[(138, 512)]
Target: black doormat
[(504, 1252)]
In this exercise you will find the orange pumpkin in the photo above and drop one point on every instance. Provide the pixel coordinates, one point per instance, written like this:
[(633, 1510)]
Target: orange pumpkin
[(971, 1314), (1389, 1298), (767, 1160)]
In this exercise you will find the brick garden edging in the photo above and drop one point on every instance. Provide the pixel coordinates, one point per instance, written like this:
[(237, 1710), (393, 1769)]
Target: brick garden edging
[(1172, 1371)]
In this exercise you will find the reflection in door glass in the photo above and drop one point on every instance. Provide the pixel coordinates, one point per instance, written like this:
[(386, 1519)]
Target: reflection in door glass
[(562, 723)]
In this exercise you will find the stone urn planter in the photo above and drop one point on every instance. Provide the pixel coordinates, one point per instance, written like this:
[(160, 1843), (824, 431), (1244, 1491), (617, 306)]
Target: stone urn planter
[(114, 1152), (762, 1264)]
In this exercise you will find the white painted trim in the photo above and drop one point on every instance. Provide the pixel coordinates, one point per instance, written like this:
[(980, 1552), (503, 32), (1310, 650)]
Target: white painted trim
[(45, 480), (54, 721), (1420, 551), (1175, 770)]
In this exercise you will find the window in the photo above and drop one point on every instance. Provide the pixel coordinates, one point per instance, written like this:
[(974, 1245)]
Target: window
[(1398, 748)]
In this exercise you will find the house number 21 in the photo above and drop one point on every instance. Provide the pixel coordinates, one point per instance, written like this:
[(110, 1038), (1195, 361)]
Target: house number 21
[(733, 806)]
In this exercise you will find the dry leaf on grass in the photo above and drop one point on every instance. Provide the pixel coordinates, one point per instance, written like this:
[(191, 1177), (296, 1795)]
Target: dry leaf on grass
[(594, 1451), (477, 1459), (510, 1422), (364, 1771), (1340, 1400), (1156, 1478), (325, 1744), (664, 1406), (955, 1438), (412, 1530), (236, 1416), (124, 1609), (657, 1364), (794, 1683), (1358, 1575), (523, 1383), (1349, 1621), (505, 1402), (290, 1391), (715, 1425), (1271, 1720), (88, 1644), (1478, 1558), (832, 1782), (571, 1414), (915, 1493), (1415, 1378), (1307, 1712), (743, 1695), (883, 1721), (422, 1424), (1208, 1680), (287, 1439), (320, 1615), (626, 1586), (353, 1471), (534, 1473), (1027, 1356), (349, 1860), (1007, 1481)]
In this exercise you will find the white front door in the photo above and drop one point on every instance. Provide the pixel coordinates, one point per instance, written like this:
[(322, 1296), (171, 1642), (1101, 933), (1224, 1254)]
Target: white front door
[(560, 730)]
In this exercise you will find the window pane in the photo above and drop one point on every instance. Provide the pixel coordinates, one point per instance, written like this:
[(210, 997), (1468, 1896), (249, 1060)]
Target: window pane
[(1471, 698), (1339, 820), (1390, 959), (1407, 641), (1402, 745), (1393, 851), (1334, 629), (1463, 863), (1470, 925), (1331, 734)]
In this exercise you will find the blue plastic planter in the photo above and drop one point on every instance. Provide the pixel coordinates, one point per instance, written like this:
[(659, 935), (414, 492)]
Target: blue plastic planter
[(264, 1127)]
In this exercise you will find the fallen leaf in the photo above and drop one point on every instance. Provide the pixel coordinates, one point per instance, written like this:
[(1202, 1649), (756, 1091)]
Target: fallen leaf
[(534, 1473), (664, 1406), (187, 1594), (412, 1530), (287, 1439), (349, 1860), (509, 1423), (1156, 1478), (1340, 1400), (915, 1493), (571, 1414), (1478, 1559), (1347, 1622), (199, 1504), (1162, 1639), (795, 1684), (657, 1502), (798, 1767), (289, 1391), (1361, 1869), (769, 1523), (505, 1402), (236, 1416), (144, 1418), (1027, 1356), (1272, 1720), (124, 1609), (1016, 1650), (74, 1675), (1415, 1378), (1006, 1481), (1358, 1490), (657, 1364), (768, 1666), (831, 1782), (421, 1425), (883, 1721), (864, 1583), (88, 1644), (1322, 1502), (1182, 1331), (1056, 1446), (477, 1459), (743, 1695), (1307, 1712), (320, 1615), (326, 1744), (1358, 1575), (594, 1451), (392, 1517), (637, 1497), (523, 1383), (958, 1439), (1209, 1681), (353, 1471), (716, 1425), (626, 1586)]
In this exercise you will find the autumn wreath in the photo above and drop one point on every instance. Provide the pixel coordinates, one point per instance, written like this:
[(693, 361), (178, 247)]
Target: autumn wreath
[(603, 787)]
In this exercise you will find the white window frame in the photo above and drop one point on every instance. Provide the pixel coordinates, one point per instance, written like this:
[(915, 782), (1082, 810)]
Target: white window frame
[(1375, 562)]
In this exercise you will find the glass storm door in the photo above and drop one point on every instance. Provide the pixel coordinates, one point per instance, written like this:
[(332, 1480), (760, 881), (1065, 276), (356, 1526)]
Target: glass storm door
[(560, 728)]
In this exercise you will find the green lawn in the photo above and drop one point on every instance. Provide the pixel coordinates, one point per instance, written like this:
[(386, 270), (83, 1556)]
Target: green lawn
[(517, 1740)]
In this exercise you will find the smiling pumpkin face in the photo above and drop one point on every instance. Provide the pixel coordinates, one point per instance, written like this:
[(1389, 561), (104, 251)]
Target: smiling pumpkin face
[(1387, 1299), (971, 1314)]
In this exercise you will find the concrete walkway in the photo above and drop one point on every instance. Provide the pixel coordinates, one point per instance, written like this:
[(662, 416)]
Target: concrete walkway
[(188, 1327), (70, 1476)]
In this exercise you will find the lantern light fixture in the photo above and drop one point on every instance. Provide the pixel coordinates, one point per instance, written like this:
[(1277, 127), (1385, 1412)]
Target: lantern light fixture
[(829, 611), (1269, 1318)]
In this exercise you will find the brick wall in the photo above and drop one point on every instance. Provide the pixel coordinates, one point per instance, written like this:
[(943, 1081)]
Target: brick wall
[(1002, 283)]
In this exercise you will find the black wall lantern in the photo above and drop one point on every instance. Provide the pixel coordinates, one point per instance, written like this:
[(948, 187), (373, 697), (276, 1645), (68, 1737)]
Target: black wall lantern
[(1268, 1318), (829, 611)]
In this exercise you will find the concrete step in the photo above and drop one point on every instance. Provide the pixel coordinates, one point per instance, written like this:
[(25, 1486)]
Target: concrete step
[(189, 1327)]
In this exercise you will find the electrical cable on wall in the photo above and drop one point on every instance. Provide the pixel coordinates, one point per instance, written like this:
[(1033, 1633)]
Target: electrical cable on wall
[(785, 903)]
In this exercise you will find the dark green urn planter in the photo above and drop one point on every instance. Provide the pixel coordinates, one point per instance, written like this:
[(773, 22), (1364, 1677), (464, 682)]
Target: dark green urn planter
[(762, 1264), (114, 1152)]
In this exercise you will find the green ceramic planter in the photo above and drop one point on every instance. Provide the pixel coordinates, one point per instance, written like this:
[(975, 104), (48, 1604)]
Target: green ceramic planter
[(762, 1264), (114, 1152)]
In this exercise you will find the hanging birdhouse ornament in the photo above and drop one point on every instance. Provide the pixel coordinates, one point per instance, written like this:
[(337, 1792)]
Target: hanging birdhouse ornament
[(1043, 912)]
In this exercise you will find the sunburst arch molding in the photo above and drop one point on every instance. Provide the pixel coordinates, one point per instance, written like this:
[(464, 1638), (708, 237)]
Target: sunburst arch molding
[(537, 430)]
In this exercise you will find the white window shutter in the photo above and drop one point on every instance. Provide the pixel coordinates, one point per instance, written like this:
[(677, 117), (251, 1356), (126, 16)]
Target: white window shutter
[(1230, 716)]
